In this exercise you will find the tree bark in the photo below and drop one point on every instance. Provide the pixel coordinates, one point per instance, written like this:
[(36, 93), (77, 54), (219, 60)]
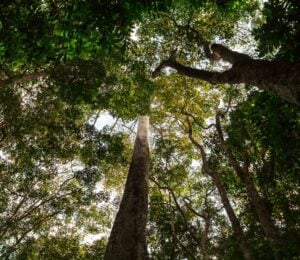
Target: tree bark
[(128, 236), (278, 77)]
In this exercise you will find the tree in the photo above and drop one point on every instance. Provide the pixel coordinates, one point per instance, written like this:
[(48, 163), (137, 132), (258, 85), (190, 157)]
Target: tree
[(40, 196), (53, 79), (128, 236), (279, 38), (182, 214), (236, 225), (63, 63), (278, 77), (270, 150)]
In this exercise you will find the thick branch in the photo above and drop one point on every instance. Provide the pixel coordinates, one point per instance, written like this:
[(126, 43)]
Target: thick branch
[(24, 78), (279, 77), (186, 71), (228, 55)]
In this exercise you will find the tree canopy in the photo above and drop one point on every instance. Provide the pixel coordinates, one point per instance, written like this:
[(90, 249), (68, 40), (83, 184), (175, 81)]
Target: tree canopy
[(220, 81)]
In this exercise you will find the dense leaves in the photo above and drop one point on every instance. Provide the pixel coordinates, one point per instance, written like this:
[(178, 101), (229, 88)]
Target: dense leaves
[(35, 32), (280, 32), (270, 134), (63, 63)]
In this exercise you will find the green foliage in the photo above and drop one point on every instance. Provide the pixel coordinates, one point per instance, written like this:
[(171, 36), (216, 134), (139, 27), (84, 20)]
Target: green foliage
[(133, 93), (59, 174), (60, 247), (38, 32), (101, 146), (280, 32), (82, 82), (44, 192), (263, 132), (51, 248), (51, 163)]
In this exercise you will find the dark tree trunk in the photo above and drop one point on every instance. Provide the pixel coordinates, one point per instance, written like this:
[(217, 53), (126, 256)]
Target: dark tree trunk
[(128, 236), (235, 223), (261, 209), (278, 77)]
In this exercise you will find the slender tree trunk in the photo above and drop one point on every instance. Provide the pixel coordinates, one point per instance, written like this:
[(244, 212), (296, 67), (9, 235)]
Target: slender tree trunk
[(278, 77), (128, 236), (204, 238), (235, 223), (261, 209)]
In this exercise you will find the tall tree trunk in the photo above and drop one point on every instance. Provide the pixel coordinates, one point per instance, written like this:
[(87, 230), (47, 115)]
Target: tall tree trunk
[(261, 209), (128, 236), (278, 77), (235, 223)]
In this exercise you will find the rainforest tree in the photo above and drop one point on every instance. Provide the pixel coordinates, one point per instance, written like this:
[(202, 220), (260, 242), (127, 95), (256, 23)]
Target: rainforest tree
[(224, 167)]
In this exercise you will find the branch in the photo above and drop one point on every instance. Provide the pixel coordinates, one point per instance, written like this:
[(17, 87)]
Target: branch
[(187, 71), (6, 71), (205, 44), (96, 118), (229, 76), (13, 247), (186, 223), (14, 219), (24, 78), (194, 211), (196, 121), (228, 55), (115, 123), (193, 34), (199, 146), (232, 159), (181, 244)]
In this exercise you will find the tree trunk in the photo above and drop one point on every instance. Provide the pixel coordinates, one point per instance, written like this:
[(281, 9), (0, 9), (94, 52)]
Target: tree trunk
[(235, 223), (128, 236), (278, 77), (261, 209)]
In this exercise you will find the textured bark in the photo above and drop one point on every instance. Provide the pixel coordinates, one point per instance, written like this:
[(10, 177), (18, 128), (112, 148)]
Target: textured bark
[(261, 209), (278, 77), (128, 236)]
